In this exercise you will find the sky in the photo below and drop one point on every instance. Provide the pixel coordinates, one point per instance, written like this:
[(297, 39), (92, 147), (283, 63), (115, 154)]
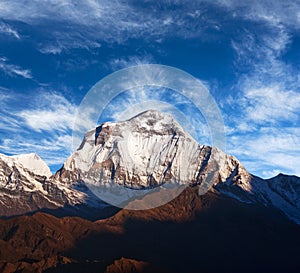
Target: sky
[(246, 53)]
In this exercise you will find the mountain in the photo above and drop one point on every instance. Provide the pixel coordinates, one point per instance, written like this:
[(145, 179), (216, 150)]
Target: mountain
[(223, 220), (147, 151), (210, 233), (152, 149), (27, 185)]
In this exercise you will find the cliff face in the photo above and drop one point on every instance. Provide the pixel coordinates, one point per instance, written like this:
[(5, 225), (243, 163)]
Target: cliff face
[(145, 151), (118, 162), (152, 150)]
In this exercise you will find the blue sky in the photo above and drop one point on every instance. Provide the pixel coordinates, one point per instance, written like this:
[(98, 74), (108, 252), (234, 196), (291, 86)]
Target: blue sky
[(245, 52)]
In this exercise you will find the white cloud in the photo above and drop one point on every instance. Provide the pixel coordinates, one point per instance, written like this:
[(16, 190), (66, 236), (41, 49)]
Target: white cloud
[(260, 49), (51, 49), (44, 126), (269, 149), (271, 104), (8, 122), (8, 30), (85, 23), (113, 16), (261, 52), (4, 95), (52, 112), (271, 12), (14, 70), (120, 63), (54, 150), (264, 128)]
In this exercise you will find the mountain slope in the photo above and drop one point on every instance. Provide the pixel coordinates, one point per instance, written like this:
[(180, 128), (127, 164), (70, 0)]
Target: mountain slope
[(238, 225), (27, 185), (149, 150), (213, 233)]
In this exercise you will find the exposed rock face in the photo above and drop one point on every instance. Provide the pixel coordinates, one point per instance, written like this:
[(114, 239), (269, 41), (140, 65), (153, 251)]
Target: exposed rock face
[(143, 152), (239, 212), (27, 185), (146, 151), (151, 149)]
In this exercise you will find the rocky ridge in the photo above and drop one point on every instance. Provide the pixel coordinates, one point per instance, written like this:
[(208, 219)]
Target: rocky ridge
[(147, 151)]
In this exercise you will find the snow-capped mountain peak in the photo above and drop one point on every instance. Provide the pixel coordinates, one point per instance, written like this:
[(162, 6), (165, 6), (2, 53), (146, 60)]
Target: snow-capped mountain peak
[(144, 152), (151, 149), (33, 163), (30, 162), (154, 120)]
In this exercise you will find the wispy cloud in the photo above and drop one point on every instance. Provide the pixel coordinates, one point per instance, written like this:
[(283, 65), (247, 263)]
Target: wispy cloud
[(52, 112), (139, 99), (88, 23), (51, 49), (8, 122), (43, 126), (271, 12), (268, 93), (14, 70), (8, 30), (263, 114), (264, 128), (4, 95), (271, 105), (264, 122), (119, 63), (269, 149)]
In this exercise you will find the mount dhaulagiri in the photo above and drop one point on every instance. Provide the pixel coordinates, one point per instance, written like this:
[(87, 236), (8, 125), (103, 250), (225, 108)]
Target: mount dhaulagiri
[(241, 224), (146, 151)]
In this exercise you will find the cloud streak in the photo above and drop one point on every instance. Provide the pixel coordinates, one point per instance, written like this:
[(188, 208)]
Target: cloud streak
[(264, 130), (268, 11), (53, 112), (266, 99), (8, 30), (14, 70), (86, 23), (43, 126), (119, 63), (269, 150), (271, 105)]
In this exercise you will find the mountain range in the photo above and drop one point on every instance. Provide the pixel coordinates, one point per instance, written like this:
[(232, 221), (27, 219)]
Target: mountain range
[(93, 213)]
